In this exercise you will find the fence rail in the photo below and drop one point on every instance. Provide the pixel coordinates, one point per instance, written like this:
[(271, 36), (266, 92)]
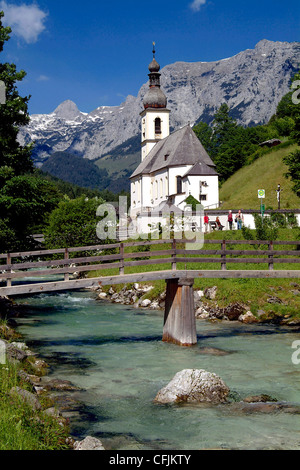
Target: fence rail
[(67, 261)]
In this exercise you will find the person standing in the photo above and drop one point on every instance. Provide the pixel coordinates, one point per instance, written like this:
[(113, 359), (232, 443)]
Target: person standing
[(239, 220), (230, 219), (206, 223)]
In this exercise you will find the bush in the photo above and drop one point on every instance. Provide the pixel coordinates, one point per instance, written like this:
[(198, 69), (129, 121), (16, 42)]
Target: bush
[(73, 223)]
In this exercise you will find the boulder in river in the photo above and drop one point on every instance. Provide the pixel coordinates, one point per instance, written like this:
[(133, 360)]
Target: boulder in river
[(89, 443), (194, 386)]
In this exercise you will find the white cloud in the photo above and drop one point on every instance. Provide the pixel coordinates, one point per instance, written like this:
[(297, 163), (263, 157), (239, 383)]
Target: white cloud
[(197, 4), (26, 21), (43, 78)]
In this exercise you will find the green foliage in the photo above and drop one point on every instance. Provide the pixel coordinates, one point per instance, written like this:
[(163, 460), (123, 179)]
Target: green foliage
[(232, 146), (229, 144), (73, 223), (72, 191), (13, 114), (22, 427), (265, 228), (293, 163), (191, 201), (284, 125), (25, 204), (293, 160), (204, 133), (76, 170), (26, 199)]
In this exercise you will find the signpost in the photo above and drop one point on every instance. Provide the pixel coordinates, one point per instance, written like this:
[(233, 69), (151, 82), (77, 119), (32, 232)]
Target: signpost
[(279, 190), (261, 196)]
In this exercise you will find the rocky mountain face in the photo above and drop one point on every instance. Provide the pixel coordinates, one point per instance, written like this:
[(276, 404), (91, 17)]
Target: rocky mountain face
[(251, 83)]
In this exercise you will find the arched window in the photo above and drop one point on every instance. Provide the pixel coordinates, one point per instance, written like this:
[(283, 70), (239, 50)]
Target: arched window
[(179, 184), (157, 126)]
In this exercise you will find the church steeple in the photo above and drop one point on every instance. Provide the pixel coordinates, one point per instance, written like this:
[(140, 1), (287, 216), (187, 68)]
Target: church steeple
[(154, 98), (155, 117)]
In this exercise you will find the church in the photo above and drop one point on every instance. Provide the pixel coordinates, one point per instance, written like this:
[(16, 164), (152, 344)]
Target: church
[(173, 166)]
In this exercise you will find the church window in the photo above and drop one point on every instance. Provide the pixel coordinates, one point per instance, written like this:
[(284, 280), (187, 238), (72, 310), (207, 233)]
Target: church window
[(166, 186), (161, 188), (179, 184), (157, 126)]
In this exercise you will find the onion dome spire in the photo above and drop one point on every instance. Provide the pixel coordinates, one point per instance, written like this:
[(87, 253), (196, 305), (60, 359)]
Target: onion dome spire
[(154, 98)]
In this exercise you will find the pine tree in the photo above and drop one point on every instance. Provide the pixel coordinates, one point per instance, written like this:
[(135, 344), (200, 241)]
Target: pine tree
[(293, 160), (13, 115)]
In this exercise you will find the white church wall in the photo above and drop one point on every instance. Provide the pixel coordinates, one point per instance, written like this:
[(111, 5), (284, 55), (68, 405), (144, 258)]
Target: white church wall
[(149, 137), (210, 189), (173, 173)]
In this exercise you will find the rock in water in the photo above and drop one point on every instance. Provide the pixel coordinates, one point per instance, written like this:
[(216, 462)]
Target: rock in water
[(89, 443), (194, 386)]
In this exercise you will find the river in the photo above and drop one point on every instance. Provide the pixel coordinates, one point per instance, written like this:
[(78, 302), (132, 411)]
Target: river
[(115, 353)]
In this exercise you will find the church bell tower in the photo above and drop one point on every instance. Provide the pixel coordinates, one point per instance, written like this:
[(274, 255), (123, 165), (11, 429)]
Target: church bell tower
[(155, 116)]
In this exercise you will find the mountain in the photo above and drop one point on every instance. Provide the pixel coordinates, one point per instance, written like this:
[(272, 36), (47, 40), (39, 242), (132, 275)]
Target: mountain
[(251, 83), (76, 170)]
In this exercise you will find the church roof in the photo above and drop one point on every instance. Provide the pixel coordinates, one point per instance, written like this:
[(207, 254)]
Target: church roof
[(166, 207), (201, 169), (180, 148)]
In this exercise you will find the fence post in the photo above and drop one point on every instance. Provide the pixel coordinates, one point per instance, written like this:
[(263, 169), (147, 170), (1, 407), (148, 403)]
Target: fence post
[(8, 261), (67, 277), (174, 267), (223, 257), (271, 264), (121, 271)]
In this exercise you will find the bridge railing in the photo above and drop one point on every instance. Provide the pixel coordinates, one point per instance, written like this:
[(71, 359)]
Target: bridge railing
[(127, 256)]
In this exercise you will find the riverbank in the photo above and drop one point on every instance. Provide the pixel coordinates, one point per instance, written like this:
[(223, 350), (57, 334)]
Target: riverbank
[(277, 305), (116, 355), (32, 405), (35, 408)]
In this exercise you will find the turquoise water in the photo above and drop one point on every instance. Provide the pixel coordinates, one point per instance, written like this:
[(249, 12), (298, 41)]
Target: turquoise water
[(116, 354)]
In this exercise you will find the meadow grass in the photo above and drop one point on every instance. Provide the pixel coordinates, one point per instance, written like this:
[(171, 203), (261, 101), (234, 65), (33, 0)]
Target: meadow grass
[(240, 190)]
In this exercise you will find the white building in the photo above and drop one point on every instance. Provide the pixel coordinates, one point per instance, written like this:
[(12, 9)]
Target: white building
[(173, 166)]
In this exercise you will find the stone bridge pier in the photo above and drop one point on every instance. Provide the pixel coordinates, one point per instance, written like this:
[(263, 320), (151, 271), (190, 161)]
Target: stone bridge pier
[(179, 321)]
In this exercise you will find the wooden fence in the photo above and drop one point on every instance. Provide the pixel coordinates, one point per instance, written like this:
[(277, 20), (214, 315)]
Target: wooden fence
[(67, 261)]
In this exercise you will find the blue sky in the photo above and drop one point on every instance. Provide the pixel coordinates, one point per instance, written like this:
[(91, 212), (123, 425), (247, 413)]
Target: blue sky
[(96, 53)]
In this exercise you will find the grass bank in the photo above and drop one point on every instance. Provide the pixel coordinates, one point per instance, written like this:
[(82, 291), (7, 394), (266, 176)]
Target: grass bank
[(240, 190), (22, 425)]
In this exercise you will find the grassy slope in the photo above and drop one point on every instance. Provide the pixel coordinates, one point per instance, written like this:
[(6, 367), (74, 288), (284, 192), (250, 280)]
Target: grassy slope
[(240, 191)]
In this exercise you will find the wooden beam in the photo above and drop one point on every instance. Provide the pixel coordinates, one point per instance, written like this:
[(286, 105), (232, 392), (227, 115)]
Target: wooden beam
[(25, 289), (180, 322)]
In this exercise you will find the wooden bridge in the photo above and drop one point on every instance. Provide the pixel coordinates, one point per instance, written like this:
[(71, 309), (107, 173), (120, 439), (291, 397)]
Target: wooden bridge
[(179, 262)]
